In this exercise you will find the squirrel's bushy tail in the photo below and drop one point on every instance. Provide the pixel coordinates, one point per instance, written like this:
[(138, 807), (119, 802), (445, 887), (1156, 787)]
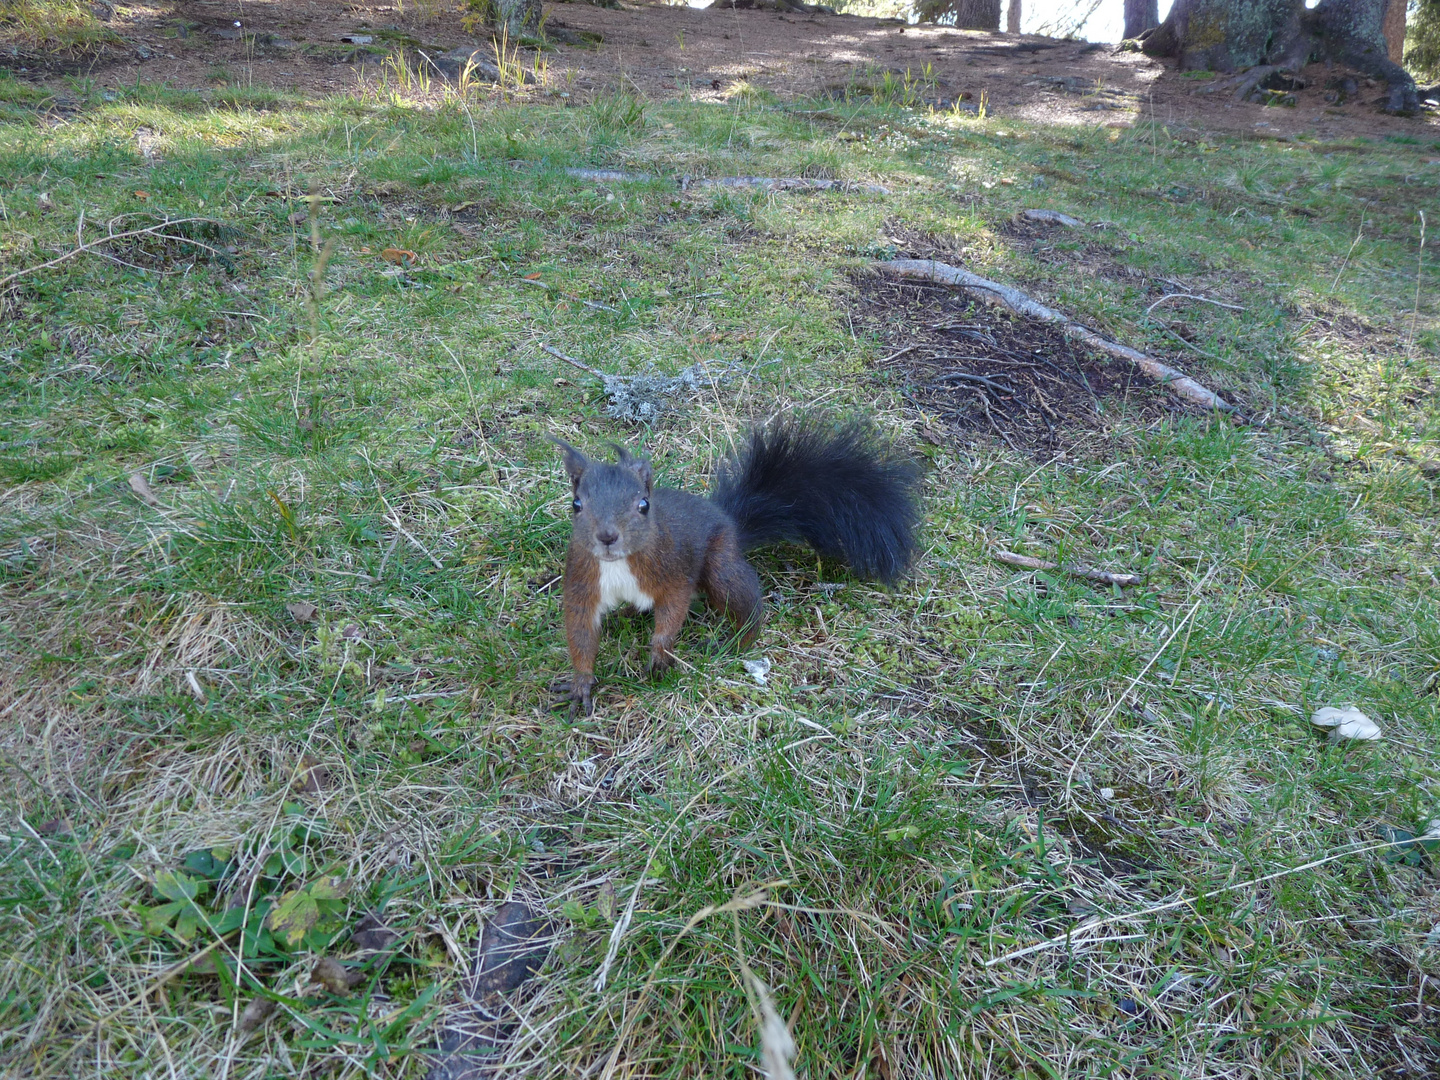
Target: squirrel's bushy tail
[(838, 487)]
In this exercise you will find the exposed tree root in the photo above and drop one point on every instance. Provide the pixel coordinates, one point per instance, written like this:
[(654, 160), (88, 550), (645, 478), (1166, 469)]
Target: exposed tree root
[(1177, 382), (1052, 217)]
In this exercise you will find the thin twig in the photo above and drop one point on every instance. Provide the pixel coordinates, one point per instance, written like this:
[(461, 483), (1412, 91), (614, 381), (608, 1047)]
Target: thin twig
[(1105, 577), (1187, 344), (623, 923), (739, 902), (108, 239), (897, 355), (573, 362), (979, 380), (1069, 935), (1359, 234), (1191, 296), (395, 520), (1419, 269), (1105, 720), (588, 303)]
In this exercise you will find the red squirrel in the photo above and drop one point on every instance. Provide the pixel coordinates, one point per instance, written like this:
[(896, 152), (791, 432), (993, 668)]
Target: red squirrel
[(837, 487)]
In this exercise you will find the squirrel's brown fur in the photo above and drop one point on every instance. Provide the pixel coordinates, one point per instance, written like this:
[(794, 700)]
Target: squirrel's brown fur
[(840, 490)]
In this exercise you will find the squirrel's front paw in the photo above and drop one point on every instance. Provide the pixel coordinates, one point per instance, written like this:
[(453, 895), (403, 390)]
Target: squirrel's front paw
[(577, 691), (661, 661)]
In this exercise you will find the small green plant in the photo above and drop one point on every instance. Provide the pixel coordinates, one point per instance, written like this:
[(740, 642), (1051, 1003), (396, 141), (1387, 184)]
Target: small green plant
[(410, 76), (293, 901), (478, 14), (617, 111)]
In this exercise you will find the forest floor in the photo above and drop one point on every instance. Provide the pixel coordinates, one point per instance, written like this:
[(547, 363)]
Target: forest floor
[(664, 51), (281, 533)]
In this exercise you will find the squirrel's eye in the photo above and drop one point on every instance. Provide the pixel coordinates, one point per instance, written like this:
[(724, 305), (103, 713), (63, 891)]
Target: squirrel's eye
[(576, 506), (643, 505)]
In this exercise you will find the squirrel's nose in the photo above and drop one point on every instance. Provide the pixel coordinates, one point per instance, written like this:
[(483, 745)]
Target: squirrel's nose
[(607, 536)]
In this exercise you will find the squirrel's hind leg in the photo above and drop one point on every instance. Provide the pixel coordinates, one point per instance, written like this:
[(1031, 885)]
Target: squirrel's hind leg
[(730, 585)]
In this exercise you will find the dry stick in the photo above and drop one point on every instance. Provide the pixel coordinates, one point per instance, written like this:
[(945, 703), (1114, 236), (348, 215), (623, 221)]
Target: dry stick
[(107, 239), (1181, 341), (1419, 269), (1177, 382), (1190, 296), (1068, 936), (395, 520), (588, 303), (1359, 233), (978, 380), (752, 899), (1105, 720), (769, 183), (573, 362), (1102, 576), (897, 355), (1052, 217)]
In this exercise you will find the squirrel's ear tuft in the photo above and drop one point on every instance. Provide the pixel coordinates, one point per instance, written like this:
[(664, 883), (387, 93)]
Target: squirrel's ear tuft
[(641, 468), (638, 465), (575, 462)]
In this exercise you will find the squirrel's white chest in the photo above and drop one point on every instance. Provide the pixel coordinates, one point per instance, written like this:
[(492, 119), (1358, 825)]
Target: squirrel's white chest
[(618, 586)]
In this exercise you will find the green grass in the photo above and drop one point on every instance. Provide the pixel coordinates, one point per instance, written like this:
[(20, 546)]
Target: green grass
[(65, 26), (934, 780)]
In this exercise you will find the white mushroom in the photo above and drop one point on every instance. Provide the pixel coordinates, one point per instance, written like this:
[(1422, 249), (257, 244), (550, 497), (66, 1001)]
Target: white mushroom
[(1346, 724)]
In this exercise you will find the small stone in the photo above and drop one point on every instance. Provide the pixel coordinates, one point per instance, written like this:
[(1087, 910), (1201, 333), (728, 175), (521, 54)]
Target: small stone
[(1107, 793)]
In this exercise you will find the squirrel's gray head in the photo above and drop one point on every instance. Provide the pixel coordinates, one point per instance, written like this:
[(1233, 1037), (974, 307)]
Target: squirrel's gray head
[(611, 503)]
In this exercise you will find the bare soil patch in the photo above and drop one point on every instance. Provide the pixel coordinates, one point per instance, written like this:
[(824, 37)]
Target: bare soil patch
[(978, 371), (311, 46)]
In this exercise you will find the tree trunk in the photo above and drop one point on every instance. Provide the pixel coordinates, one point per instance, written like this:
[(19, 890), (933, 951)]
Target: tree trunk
[(519, 18), (1353, 33), (1012, 16), (962, 14), (1393, 27), (1141, 15), (1234, 35)]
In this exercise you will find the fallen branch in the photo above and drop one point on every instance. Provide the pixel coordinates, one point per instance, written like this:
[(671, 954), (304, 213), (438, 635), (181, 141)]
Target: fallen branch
[(1025, 562), (781, 183), (1190, 296), (610, 176), (1052, 217), (766, 183), (83, 248), (1177, 382)]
